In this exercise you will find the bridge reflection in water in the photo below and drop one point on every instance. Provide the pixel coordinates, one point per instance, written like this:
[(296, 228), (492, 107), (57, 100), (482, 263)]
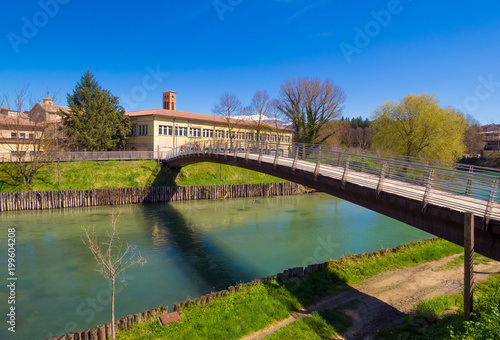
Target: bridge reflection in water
[(430, 195)]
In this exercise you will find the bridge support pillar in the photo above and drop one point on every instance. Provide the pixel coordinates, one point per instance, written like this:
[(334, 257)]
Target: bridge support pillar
[(468, 264)]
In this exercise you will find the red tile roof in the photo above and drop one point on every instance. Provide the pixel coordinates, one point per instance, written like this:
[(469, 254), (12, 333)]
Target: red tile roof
[(10, 120), (53, 109), (176, 114)]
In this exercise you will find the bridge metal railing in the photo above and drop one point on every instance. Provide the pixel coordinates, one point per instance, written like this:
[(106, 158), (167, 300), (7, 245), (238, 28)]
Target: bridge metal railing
[(460, 187), (64, 156)]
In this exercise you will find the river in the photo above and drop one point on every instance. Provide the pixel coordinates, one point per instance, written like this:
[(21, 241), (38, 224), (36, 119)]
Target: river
[(191, 247)]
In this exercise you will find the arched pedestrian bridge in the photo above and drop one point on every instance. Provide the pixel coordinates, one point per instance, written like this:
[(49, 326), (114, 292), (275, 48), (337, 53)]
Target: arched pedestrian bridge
[(430, 195)]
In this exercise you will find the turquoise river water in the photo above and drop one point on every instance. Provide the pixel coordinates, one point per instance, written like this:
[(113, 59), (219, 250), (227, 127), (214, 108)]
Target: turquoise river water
[(191, 248)]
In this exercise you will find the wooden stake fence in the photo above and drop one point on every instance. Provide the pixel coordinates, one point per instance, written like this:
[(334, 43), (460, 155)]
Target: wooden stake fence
[(35, 200)]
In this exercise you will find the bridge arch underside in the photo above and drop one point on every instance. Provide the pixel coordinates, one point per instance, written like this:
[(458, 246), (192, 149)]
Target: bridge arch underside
[(439, 221)]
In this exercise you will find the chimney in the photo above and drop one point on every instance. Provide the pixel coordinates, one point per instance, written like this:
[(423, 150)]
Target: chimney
[(48, 101), (169, 100)]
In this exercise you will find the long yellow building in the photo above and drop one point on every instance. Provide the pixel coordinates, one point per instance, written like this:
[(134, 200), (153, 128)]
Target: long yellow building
[(162, 129)]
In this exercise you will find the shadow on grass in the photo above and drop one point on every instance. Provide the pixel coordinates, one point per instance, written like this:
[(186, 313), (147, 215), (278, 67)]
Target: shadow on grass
[(11, 179), (338, 306), (9, 176), (419, 327), (166, 177)]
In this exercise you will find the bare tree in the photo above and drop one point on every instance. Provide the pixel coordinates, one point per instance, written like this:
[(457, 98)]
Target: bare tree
[(474, 138), (310, 104), (277, 119), (4, 99), (258, 112), (53, 94), (229, 108), (112, 257), (338, 132), (363, 137), (32, 138)]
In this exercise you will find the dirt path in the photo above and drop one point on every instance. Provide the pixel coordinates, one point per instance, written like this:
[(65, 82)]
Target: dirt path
[(388, 297)]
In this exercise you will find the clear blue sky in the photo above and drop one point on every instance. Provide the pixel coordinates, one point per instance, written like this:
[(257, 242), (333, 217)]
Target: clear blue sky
[(376, 51)]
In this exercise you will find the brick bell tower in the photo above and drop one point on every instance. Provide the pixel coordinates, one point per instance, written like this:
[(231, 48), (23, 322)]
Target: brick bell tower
[(169, 100)]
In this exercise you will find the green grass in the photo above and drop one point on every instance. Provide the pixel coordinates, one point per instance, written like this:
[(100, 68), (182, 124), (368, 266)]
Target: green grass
[(120, 174), (210, 174), (352, 271), (355, 270), (229, 317), (320, 325), (439, 307), (442, 317), (459, 261), (88, 175), (255, 307)]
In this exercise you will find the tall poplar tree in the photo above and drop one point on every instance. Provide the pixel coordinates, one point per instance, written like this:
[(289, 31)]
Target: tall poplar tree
[(95, 121)]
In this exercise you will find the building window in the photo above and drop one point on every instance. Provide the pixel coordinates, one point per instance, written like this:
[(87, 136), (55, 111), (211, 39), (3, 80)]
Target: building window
[(13, 135), (165, 130), (230, 135), (17, 153), (241, 135), (219, 134), (22, 135), (194, 132), (249, 136), (142, 130), (287, 139), (181, 131), (31, 135), (273, 138), (208, 133)]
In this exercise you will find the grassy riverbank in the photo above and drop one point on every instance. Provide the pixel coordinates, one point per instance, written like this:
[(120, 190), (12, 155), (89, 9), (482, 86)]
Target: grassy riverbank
[(124, 174), (256, 306), (442, 317)]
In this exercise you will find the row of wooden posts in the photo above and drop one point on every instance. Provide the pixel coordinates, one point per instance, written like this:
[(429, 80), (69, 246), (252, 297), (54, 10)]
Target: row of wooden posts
[(34, 200)]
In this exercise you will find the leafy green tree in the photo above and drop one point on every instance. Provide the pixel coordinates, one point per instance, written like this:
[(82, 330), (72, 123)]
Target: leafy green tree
[(310, 104), (95, 121), (418, 127)]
